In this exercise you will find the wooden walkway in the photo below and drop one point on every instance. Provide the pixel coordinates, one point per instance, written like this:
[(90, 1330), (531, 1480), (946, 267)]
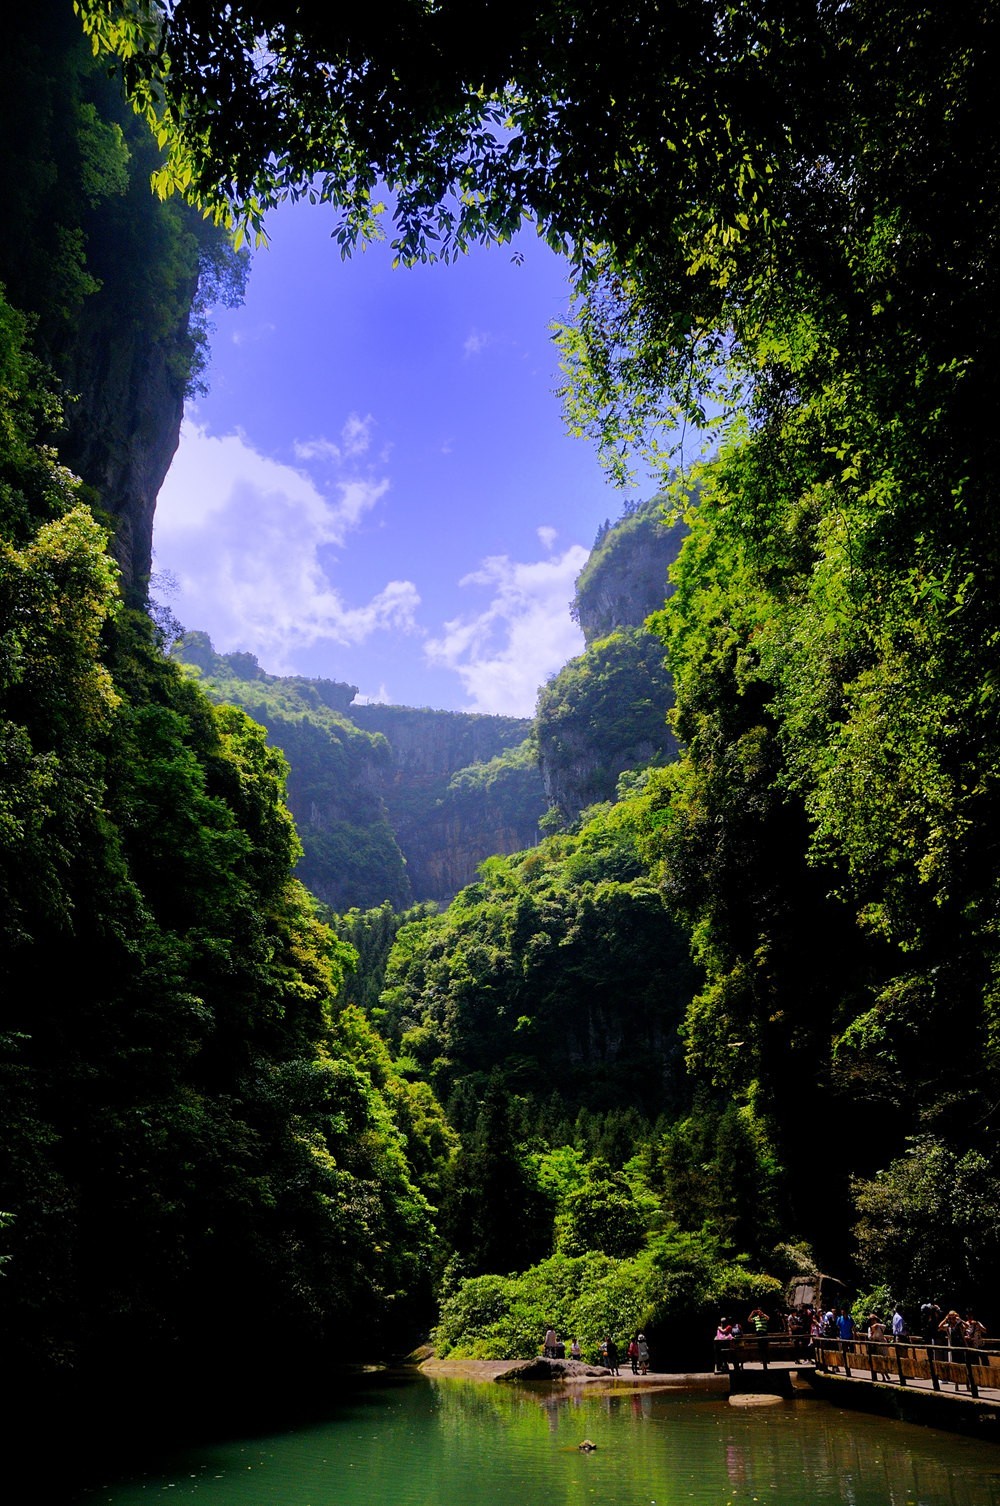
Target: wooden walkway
[(921, 1367), (769, 1351)]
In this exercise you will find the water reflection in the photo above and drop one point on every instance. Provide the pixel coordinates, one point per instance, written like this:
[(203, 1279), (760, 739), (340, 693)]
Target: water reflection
[(452, 1443)]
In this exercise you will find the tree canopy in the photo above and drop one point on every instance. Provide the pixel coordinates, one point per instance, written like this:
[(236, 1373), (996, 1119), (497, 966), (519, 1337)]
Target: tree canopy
[(783, 220)]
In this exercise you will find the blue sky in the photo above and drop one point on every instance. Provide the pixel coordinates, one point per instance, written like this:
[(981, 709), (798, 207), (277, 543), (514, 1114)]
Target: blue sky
[(378, 486)]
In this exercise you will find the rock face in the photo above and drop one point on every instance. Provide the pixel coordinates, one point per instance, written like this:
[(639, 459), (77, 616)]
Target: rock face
[(458, 788), (122, 434), (625, 578), (431, 745), (605, 712), (391, 803), (108, 273)]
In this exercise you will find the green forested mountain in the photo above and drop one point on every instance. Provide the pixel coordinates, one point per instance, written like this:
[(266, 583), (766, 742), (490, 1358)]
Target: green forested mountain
[(210, 1167), (787, 224), (391, 802), (606, 711), (403, 803)]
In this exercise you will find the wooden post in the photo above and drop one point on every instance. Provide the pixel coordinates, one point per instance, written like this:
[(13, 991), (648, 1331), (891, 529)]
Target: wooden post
[(899, 1364), (934, 1375)]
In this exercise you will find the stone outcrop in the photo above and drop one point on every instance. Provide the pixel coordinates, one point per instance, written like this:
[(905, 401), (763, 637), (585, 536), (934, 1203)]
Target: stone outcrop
[(453, 791), (112, 278), (625, 578), (605, 712), (122, 430), (390, 802)]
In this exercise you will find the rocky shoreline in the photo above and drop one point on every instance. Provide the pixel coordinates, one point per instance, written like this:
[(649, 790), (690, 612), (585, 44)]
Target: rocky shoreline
[(566, 1372)]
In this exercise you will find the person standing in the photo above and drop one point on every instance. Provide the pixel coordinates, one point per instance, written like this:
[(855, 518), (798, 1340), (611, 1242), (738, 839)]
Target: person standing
[(975, 1332), (611, 1349), (550, 1343), (930, 1321), (575, 1351), (633, 1355), (953, 1328), (643, 1354), (845, 1324), (898, 1323)]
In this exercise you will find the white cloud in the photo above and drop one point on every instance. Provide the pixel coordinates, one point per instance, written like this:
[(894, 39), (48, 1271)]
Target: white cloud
[(317, 449), (251, 336), (525, 633), (355, 440), (380, 698), (476, 342), (246, 537), (356, 434), (548, 537)]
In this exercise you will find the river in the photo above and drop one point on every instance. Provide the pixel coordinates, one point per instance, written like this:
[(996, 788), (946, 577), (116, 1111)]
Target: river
[(414, 1441)]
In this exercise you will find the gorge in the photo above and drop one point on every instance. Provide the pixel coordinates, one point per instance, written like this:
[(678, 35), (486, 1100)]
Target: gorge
[(613, 1020)]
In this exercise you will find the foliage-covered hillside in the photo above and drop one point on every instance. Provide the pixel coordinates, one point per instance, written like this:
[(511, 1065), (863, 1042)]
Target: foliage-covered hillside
[(561, 965), (546, 1008), (601, 715), (788, 222), (210, 1168), (350, 855), (191, 1132), (390, 802)]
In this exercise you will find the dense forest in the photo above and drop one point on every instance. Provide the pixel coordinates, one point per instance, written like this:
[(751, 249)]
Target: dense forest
[(207, 1160), (736, 1015), (390, 802)]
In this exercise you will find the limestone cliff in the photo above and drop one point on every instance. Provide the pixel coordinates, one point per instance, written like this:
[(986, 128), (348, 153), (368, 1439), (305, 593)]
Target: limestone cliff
[(390, 802), (459, 788), (625, 577), (122, 432), (605, 712), (109, 274)]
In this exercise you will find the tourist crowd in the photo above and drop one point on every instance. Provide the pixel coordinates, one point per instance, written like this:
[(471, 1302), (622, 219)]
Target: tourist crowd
[(636, 1352), (936, 1326)]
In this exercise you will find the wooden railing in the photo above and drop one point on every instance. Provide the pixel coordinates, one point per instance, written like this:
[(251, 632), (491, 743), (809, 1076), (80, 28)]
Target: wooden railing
[(761, 1349), (901, 1360)]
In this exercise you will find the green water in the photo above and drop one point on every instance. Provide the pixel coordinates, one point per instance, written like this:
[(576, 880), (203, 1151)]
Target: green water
[(456, 1443)]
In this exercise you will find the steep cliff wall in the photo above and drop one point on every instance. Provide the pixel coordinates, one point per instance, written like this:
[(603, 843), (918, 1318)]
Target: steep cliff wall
[(109, 273), (625, 577), (390, 802), (458, 788), (605, 712), (429, 745)]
